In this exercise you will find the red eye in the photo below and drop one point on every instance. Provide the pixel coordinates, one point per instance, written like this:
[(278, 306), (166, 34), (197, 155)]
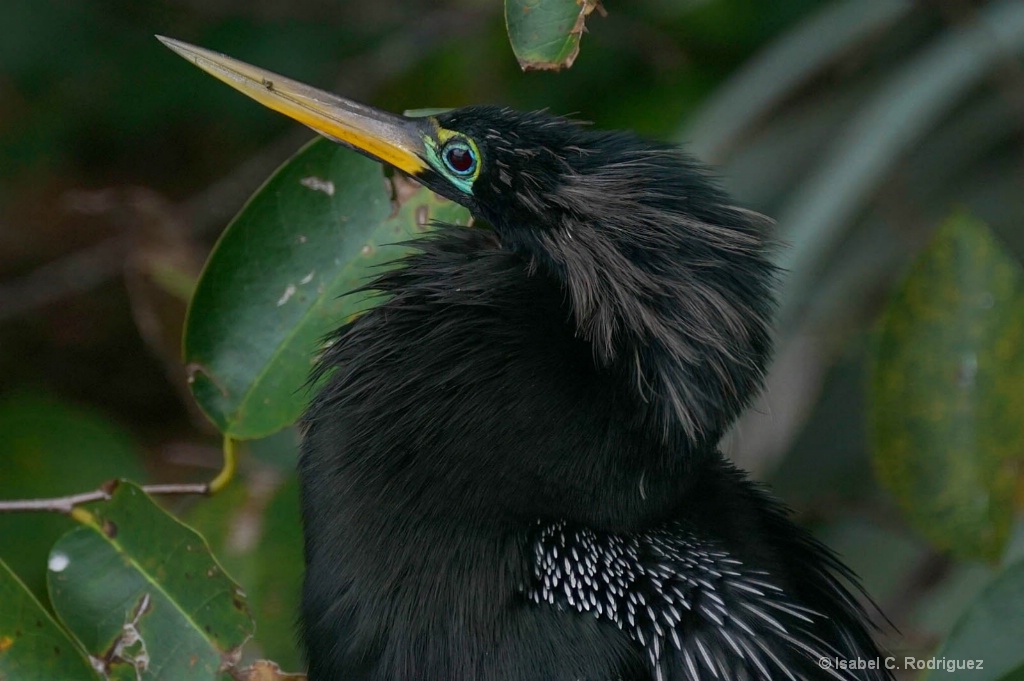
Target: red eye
[(460, 158)]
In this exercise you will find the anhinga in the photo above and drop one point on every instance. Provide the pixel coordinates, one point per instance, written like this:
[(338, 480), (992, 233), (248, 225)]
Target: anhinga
[(511, 472)]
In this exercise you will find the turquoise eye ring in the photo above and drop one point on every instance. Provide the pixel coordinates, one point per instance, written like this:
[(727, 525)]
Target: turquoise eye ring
[(459, 157)]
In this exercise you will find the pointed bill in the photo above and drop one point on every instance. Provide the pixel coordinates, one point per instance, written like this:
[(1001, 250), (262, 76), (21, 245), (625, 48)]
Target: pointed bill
[(396, 140)]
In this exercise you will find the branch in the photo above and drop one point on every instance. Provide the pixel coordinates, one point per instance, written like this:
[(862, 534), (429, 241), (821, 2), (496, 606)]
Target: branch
[(67, 504), (71, 275)]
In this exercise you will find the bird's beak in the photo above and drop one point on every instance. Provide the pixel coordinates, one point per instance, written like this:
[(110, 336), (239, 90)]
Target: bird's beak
[(397, 140)]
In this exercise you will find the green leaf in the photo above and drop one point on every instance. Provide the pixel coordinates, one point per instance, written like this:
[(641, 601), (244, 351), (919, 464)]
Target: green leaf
[(47, 449), (32, 646), (274, 285), (253, 527), (143, 592), (947, 408), (545, 34), (990, 630)]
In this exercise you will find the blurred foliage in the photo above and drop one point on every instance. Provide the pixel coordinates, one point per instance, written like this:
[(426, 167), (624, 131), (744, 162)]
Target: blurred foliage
[(947, 407), (992, 624), (253, 529), (47, 449), (861, 126)]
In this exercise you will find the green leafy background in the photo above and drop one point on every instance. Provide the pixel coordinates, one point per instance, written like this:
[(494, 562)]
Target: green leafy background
[(885, 138)]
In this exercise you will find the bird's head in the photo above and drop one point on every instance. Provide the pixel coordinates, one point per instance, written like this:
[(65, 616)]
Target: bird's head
[(668, 281)]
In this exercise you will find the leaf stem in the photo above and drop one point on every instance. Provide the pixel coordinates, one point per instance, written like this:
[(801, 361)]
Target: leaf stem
[(227, 471)]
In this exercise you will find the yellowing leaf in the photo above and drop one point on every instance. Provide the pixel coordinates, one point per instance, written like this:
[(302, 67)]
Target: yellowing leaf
[(947, 392)]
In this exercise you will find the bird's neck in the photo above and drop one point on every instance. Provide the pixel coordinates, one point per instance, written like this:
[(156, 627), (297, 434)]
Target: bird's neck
[(470, 391), (683, 324), (668, 282)]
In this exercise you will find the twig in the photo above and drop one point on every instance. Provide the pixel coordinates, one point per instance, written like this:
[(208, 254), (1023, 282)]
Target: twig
[(94, 265), (68, 503), (210, 209), (76, 273)]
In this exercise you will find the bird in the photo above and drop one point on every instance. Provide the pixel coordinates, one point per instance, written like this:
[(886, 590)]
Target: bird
[(512, 469)]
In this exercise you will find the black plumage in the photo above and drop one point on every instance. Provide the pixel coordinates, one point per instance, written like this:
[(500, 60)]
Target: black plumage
[(511, 470), (527, 427)]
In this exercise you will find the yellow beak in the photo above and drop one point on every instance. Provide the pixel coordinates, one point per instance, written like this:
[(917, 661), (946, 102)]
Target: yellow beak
[(397, 140)]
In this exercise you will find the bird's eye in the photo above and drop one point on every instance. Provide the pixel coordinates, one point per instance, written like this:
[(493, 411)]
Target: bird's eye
[(459, 157)]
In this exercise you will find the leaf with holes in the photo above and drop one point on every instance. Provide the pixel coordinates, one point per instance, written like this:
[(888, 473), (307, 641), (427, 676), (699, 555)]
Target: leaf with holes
[(323, 225), (32, 646), (947, 408), (143, 593), (545, 34)]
